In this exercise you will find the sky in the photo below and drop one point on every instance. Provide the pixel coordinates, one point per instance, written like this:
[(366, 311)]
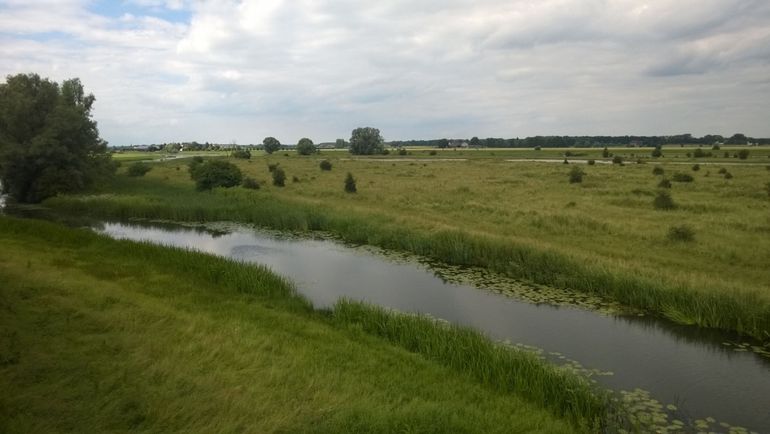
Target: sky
[(237, 71)]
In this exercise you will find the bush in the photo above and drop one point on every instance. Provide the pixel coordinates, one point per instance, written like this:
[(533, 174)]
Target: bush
[(537, 148), (617, 159), (241, 153), (591, 162), (576, 175), (294, 179), (432, 153), (726, 155), (215, 173), (401, 151), (279, 177), (657, 170), (715, 147), (196, 159), (728, 175), (138, 169), (565, 161), (271, 167), (699, 153), (606, 153), (767, 187), (657, 152), (722, 171), (681, 233), (743, 154), (250, 183), (306, 146), (695, 167), (664, 183), (663, 201), (682, 177), (350, 183), (325, 165)]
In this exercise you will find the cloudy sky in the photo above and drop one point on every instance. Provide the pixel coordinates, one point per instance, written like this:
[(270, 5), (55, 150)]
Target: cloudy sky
[(223, 71)]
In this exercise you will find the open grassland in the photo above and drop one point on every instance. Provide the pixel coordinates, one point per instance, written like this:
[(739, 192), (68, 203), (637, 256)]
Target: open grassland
[(523, 219), (102, 335)]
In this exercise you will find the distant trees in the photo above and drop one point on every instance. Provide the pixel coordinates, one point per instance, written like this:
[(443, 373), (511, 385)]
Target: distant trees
[(738, 139), (443, 143), (474, 142), (366, 141), (306, 146), (49, 144), (271, 144), (340, 144), (214, 173)]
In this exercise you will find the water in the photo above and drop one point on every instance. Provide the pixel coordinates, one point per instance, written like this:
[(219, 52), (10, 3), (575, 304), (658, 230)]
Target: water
[(686, 366)]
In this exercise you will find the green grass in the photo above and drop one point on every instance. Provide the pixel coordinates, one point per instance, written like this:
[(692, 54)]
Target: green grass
[(525, 220), (111, 335)]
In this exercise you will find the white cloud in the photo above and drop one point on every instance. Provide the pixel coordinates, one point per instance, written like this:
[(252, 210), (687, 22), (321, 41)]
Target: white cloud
[(416, 69)]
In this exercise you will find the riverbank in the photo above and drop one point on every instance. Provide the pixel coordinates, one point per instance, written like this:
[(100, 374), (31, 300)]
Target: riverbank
[(602, 237), (101, 334)]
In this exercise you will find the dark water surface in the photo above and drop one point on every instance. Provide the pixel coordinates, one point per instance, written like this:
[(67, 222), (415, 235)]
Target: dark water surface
[(686, 366)]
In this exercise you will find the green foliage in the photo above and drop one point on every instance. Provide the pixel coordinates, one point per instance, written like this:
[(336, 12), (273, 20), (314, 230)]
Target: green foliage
[(215, 173), (271, 144), (695, 167), (366, 141), (657, 152), (279, 177), (325, 165), (657, 170), (722, 171), (591, 162), (576, 175), (617, 160), (767, 188), (743, 154), (138, 168), (305, 146), (402, 151), (728, 175), (250, 183), (432, 152), (663, 201), (49, 144), (243, 154), (681, 233), (682, 177), (606, 153), (350, 183), (565, 161), (272, 166), (664, 183)]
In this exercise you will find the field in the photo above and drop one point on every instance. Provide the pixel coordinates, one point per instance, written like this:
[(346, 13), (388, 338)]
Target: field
[(102, 335), (520, 218)]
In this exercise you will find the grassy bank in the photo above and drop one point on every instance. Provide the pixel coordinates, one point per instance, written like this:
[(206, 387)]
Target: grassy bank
[(525, 220), (107, 335)]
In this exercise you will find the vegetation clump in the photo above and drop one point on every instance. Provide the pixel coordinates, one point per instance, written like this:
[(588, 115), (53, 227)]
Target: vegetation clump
[(728, 175), (250, 183), (279, 176), (743, 154), (722, 171), (695, 167), (366, 141), (576, 175), (350, 183), (271, 144), (306, 146), (617, 160), (401, 151), (663, 201), (325, 165), (681, 233), (138, 169), (664, 183), (215, 173), (682, 177), (271, 167), (243, 154), (49, 144), (591, 162), (657, 170)]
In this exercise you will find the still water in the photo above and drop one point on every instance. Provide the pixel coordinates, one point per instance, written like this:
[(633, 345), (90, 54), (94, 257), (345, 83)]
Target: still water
[(705, 374)]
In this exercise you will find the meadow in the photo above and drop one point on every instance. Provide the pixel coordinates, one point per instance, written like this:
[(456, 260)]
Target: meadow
[(112, 335), (523, 219)]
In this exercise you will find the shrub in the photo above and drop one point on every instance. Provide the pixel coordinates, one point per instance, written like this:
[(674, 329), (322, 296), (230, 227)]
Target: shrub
[(767, 187), (663, 201), (657, 170), (682, 177), (700, 154), (722, 171), (279, 177), (294, 179), (138, 169), (576, 175), (657, 152), (681, 233), (726, 155), (241, 153), (401, 151), (743, 154), (591, 162), (565, 161), (325, 165), (664, 183), (695, 167), (537, 148), (305, 146), (606, 153), (617, 159), (350, 183), (250, 183), (271, 167), (715, 147), (196, 159), (215, 173), (432, 153), (728, 175)]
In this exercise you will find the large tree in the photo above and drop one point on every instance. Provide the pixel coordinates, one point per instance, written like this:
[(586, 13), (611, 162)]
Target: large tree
[(366, 141), (271, 144), (306, 146), (49, 144)]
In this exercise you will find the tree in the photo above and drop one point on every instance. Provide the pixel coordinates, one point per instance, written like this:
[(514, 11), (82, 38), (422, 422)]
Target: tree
[(215, 173), (49, 144), (475, 142), (443, 143), (340, 143), (271, 144), (737, 139), (305, 146), (366, 141)]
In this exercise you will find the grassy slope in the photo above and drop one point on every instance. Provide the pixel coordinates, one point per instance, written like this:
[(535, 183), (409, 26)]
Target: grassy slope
[(522, 219), (101, 335)]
